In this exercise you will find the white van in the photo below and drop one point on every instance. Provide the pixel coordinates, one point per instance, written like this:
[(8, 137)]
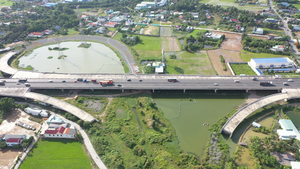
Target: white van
[(50, 81), (27, 84), (285, 83), (236, 81), (290, 80)]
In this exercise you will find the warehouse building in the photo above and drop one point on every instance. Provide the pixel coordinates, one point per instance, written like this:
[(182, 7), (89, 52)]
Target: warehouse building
[(271, 63), (288, 130)]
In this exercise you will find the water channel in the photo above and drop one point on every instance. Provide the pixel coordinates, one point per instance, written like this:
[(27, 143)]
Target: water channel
[(192, 114), (98, 58)]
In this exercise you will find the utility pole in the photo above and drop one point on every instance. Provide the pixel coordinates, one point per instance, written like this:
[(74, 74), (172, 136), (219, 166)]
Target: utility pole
[(60, 53)]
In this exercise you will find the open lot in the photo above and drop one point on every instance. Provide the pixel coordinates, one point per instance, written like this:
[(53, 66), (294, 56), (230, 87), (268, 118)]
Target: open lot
[(169, 44), (150, 48), (190, 63), (57, 154), (165, 31), (242, 69), (246, 55), (151, 30), (229, 56), (4, 3), (8, 126), (232, 41)]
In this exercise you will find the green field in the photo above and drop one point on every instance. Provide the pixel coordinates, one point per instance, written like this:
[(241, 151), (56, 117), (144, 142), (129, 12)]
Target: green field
[(189, 63), (6, 3), (194, 33), (56, 154), (242, 69), (246, 55), (71, 31), (149, 48)]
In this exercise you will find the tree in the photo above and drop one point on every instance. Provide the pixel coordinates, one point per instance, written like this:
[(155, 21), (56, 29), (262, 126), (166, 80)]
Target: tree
[(1, 46), (86, 124), (80, 122), (2, 144), (7, 105)]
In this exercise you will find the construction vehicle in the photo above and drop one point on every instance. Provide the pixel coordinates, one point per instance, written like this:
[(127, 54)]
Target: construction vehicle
[(106, 82), (266, 83)]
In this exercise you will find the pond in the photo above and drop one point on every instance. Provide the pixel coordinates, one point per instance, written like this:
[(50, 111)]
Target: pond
[(98, 58), (192, 114)]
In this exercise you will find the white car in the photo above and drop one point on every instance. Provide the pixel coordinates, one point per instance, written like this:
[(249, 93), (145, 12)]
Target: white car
[(290, 80), (216, 84)]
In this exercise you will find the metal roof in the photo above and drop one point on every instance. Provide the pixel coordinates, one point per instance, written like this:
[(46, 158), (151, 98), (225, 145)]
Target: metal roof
[(270, 60), (287, 124)]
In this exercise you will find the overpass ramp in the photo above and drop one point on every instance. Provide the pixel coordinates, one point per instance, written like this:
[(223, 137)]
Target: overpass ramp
[(233, 122), (25, 93)]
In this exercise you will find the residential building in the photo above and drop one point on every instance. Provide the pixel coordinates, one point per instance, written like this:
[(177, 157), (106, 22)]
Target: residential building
[(178, 27), (14, 136), (259, 31), (284, 4), (61, 132), (295, 164), (213, 35), (50, 4), (239, 29), (296, 27), (13, 141), (288, 130), (254, 124), (271, 20), (267, 63), (125, 29), (202, 23), (159, 67), (195, 15), (48, 32), (108, 11), (278, 48), (234, 20), (54, 120), (111, 24), (36, 112), (146, 5), (68, 1), (36, 34), (100, 30)]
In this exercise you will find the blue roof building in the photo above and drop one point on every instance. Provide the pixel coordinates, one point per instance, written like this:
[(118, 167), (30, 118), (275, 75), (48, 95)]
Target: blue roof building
[(288, 130), (50, 4), (284, 4), (271, 63)]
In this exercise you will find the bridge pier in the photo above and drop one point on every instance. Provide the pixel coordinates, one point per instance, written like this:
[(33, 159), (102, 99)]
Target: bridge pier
[(153, 90), (183, 90), (62, 90), (247, 90), (216, 90), (122, 90), (92, 90)]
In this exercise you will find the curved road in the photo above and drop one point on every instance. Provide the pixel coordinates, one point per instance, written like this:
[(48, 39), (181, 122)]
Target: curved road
[(125, 52)]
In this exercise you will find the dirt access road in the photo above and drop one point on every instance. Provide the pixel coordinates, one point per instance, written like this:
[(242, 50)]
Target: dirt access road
[(230, 50), (8, 126)]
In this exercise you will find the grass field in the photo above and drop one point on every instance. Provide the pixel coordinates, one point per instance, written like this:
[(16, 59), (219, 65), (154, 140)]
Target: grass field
[(189, 63), (246, 56), (56, 154), (242, 69), (71, 31), (194, 33), (150, 48), (6, 3)]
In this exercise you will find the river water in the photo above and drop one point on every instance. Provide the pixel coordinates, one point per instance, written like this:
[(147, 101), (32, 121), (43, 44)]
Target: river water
[(190, 113), (98, 58)]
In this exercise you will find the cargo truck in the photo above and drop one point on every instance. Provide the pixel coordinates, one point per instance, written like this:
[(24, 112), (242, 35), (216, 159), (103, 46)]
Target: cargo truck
[(106, 82), (265, 83)]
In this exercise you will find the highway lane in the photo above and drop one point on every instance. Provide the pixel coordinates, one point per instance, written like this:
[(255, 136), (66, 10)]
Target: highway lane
[(197, 84)]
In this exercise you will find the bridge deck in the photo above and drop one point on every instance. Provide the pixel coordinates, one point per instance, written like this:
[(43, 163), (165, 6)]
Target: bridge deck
[(4, 64), (244, 112)]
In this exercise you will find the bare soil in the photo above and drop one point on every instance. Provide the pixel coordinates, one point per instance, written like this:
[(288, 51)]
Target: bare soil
[(168, 45), (7, 158), (229, 56), (259, 37), (232, 41), (8, 126)]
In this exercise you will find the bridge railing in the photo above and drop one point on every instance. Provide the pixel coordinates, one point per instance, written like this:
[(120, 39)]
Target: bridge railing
[(228, 121)]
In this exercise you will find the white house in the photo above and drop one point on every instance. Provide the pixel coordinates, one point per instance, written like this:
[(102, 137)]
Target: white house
[(36, 34), (266, 63), (257, 125), (9, 136), (55, 120), (278, 48), (36, 112), (13, 141), (159, 67), (213, 35), (258, 31), (288, 130)]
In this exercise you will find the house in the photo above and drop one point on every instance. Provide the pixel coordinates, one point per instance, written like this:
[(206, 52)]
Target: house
[(84, 16), (259, 31), (129, 22), (285, 4), (288, 130), (296, 27), (159, 67), (54, 120), (178, 27), (57, 27), (234, 20), (271, 20), (108, 11), (213, 35), (13, 141), (202, 23), (50, 4), (278, 48), (239, 29), (61, 132), (146, 5), (100, 30), (273, 36), (36, 112), (48, 32), (9, 136), (195, 15), (111, 24), (295, 164), (36, 34), (254, 124), (125, 29)]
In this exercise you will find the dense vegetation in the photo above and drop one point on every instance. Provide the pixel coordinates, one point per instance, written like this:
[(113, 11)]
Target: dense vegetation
[(197, 43), (135, 134), (6, 106)]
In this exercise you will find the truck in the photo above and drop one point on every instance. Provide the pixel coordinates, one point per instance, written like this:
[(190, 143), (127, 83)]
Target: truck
[(2, 82), (22, 80), (265, 83), (106, 82), (85, 80), (94, 80), (79, 79)]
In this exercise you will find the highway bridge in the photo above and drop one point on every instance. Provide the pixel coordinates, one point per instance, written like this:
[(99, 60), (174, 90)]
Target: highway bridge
[(233, 122)]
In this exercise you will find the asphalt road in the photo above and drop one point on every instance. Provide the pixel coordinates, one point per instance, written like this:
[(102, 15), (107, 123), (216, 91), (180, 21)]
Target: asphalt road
[(286, 29), (125, 52), (146, 84)]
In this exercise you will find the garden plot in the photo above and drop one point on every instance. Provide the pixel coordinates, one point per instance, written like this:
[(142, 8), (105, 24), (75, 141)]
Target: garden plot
[(165, 31)]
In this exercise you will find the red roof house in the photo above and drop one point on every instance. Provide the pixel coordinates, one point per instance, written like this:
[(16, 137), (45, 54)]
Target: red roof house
[(51, 131), (13, 141), (111, 24), (234, 20)]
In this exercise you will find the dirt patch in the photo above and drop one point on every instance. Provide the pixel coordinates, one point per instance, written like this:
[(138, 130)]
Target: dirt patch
[(8, 126), (259, 37), (229, 56), (169, 44), (7, 158), (15, 43), (95, 105), (232, 41)]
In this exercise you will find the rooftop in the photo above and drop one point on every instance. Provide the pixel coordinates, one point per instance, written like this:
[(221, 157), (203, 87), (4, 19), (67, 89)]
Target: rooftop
[(270, 60), (287, 124)]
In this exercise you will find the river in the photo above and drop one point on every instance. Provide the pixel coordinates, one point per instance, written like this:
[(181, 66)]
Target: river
[(98, 58)]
